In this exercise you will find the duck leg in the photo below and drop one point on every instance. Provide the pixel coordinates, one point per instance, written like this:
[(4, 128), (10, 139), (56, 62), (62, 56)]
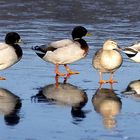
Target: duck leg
[(66, 78), (111, 81), (70, 71), (101, 81), (56, 81), (57, 71), (2, 78)]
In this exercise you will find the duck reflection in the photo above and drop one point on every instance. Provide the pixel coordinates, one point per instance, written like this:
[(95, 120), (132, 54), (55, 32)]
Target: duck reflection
[(133, 89), (108, 104), (64, 94), (10, 105)]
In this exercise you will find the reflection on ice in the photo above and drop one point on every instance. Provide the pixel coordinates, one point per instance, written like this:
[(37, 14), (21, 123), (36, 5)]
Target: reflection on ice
[(64, 94), (10, 105), (108, 104)]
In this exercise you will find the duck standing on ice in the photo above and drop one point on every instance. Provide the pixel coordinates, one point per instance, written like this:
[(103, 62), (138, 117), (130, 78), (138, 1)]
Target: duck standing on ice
[(65, 51), (107, 60), (10, 51)]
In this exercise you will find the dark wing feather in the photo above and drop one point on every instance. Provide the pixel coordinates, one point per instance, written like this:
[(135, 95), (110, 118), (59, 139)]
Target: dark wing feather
[(131, 50), (42, 50)]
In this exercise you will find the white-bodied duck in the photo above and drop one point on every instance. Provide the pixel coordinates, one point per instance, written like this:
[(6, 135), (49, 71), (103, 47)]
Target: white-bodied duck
[(133, 52), (107, 60), (65, 51), (10, 51)]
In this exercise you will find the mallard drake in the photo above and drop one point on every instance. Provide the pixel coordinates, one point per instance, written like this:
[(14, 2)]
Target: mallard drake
[(107, 60), (133, 52), (10, 51), (65, 51)]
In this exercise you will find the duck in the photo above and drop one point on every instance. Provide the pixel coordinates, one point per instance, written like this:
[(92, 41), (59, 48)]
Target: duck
[(107, 60), (133, 88), (65, 51), (10, 51), (133, 52)]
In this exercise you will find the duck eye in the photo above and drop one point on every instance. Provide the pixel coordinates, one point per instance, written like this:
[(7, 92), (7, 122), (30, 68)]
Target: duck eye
[(114, 43)]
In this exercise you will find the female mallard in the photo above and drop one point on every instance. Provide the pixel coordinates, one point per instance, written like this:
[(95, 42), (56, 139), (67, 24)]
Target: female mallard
[(107, 60), (65, 51), (133, 52), (10, 51)]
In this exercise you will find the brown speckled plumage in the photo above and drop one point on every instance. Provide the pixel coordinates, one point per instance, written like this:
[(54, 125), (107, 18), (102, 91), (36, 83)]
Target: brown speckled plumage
[(108, 59)]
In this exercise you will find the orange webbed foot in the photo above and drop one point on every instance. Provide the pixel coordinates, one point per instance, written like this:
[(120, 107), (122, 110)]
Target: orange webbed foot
[(2, 78), (57, 71), (112, 81), (60, 74), (70, 72), (102, 82)]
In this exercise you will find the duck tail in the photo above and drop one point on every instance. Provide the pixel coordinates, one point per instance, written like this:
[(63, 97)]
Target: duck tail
[(39, 51), (36, 48)]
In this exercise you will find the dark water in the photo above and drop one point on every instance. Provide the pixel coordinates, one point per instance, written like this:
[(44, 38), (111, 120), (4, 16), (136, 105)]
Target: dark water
[(27, 110)]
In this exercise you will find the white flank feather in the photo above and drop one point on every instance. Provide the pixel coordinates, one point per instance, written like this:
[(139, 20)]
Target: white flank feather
[(61, 43), (8, 56), (65, 55)]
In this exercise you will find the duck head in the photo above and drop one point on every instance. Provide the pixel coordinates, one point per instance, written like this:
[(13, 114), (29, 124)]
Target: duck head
[(110, 45), (12, 38), (78, 32)]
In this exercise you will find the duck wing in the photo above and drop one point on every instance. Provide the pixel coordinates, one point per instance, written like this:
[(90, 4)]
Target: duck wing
[(134, 48), (97, 60), (61, 43), (43, 49), (53, 46), (130, 50)]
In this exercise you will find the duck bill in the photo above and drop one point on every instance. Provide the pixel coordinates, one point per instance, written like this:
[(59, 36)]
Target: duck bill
[(118, 49), (20, 41), (89, 34)]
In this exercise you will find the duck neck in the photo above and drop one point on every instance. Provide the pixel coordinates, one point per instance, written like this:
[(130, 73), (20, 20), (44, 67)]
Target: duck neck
[(83, 44), (18, 50)]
